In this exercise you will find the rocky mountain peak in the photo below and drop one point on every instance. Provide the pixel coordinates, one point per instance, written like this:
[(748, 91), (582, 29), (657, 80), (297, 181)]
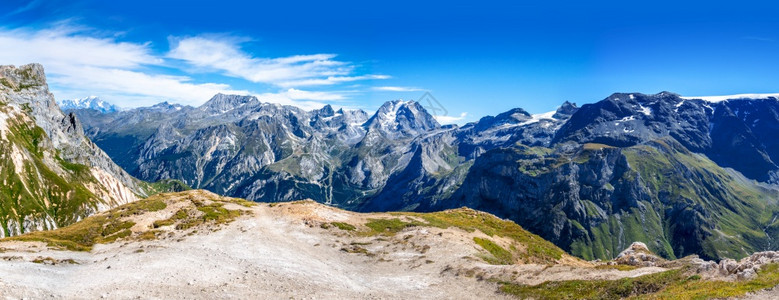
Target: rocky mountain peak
[(221, 103), (401, 118), (327, 111), (566, 110), (22, 77)]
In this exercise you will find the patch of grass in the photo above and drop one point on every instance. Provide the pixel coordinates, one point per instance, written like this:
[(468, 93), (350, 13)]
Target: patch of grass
[(209, 213), (81, 236), (181, 214), (388, 226), (595, 146), (595, 289), (119, 235), (694, 288), (672, 284), (357, 249), (344, 226), (7, 83), (218, 214), (53, 261), (499, 256), (105, 228), (536, 250), (148, 235), (139, 207), (616, 267), (165, 186)]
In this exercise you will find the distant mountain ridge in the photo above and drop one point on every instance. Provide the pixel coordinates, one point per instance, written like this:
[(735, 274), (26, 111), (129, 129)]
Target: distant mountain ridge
[(91, 102), (590, 179)]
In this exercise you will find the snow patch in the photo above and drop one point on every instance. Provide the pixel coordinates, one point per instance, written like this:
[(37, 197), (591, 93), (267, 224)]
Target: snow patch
[(729, 97), (646, 110), (538, 117)]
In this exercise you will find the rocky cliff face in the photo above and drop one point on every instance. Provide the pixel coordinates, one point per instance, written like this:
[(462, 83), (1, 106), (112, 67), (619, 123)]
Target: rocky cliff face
[(52, 175), (594, 200)]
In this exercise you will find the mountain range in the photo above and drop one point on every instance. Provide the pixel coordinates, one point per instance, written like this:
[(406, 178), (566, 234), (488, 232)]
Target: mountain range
[(685, 176)]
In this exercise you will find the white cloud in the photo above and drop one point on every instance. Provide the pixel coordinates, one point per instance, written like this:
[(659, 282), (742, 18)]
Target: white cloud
[(450, 119), (78, 64), (63, 47), (80, 61), (225, 55), (330, 80), (296, 94), (125, 86), (397, 89)]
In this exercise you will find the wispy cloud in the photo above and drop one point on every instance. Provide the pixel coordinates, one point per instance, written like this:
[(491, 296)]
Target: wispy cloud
[(331, 80), (224, 54), (397, 89), (759, 38), (69, 46), (30, 6), (79, 63), (451, 119), (296, 94), (137, 87)]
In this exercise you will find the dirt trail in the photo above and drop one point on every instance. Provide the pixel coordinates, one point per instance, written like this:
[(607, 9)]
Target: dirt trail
[(275, 252)]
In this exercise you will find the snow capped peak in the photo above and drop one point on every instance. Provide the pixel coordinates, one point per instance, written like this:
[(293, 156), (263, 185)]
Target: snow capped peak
[(91, 102), (407, 117), (731, 97)]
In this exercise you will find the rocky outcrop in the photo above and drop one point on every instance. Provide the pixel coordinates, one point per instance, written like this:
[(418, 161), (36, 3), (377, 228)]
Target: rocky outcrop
[(731, 269), (638, 255)]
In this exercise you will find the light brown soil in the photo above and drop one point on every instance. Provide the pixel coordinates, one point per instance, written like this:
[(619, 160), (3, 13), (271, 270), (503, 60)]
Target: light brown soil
[(278, 251)]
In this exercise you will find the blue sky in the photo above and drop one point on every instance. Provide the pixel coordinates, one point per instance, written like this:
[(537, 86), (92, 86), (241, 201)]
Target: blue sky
[(476, 58)]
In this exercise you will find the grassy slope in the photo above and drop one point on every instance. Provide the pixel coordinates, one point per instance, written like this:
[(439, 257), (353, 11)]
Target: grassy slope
[(115, 224), (738, 209), (672, 284), (39, 192), (164, 186), (526, 247), (672, 176)]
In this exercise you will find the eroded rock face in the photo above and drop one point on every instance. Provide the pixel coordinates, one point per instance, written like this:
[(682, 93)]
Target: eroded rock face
[(52, 175)]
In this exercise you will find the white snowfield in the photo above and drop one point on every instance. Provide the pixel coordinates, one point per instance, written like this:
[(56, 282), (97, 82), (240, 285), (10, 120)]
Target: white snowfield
[(728, 97)]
